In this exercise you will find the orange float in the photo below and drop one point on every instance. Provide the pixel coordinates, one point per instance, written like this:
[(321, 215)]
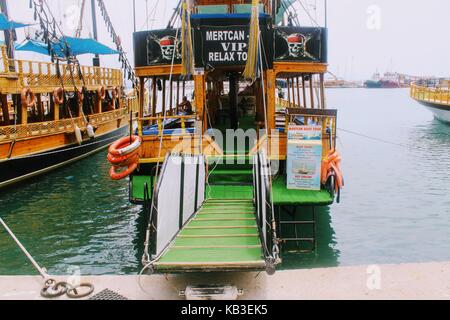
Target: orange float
[(123, 174), (101, 91), (28, 98), (58, 96), (124, 154)]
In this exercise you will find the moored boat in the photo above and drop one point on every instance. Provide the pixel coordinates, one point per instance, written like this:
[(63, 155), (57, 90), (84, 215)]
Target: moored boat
[(54, 113), (435, 96), (224, 179)]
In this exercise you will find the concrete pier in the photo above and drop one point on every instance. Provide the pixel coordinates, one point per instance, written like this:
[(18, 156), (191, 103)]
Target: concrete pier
[(405, 281)]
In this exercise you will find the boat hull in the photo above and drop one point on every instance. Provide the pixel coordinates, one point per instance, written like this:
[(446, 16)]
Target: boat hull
[(18, 169), (441, 112)]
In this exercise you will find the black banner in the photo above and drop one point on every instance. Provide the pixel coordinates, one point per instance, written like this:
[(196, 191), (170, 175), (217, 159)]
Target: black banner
[(157, 47), (301, 44)]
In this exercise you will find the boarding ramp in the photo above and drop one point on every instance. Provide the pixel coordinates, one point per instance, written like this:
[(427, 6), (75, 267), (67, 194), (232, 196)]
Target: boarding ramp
[(189, 233)]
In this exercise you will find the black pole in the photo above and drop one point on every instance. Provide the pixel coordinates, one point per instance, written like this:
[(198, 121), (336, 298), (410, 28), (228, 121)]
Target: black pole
[(9, 34), (233, 100), (96, 61)]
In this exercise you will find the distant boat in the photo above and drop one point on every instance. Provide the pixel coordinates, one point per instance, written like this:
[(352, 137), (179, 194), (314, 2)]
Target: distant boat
[(434, 96), (388, 81)]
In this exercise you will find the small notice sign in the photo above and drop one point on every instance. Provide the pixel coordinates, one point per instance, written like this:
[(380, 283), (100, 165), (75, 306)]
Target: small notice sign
[(304, 157)]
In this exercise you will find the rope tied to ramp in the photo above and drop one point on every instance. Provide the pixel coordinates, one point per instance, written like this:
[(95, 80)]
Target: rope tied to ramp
[(52, 288)]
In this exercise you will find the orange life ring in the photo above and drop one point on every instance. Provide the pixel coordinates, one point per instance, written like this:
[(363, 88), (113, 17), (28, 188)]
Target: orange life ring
[(28, 98), (115, 93), (331, 165), (80, 95), (124, 161), (123, 146), (122, 174), (101, 91), (58, 96)]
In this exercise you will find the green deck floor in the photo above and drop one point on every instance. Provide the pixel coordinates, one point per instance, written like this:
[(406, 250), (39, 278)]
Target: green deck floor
[(223, 235), (284, 196)]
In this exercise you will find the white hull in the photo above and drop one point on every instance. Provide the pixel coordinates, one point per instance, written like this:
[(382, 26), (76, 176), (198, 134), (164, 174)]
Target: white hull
[(442, 115)]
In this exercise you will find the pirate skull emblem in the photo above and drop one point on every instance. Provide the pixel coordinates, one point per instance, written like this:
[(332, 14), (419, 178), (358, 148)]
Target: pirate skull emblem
[(296, 43), (167, 45)]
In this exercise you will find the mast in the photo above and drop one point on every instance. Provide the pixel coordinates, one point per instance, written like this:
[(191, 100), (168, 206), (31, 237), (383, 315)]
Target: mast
[(96, 61), (9, 34), (134, 15)]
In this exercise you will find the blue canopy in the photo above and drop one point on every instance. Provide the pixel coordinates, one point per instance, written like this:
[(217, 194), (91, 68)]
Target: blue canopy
[(87, 45), (77, 47), (6, 24), (36, 46)]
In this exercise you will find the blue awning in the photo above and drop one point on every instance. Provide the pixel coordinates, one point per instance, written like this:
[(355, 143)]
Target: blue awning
[(6, 24), (87, 45), (39, 47), (77, 46)]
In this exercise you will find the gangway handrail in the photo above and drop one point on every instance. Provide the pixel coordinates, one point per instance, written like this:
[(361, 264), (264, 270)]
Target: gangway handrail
[(170, 210), (262, 186)]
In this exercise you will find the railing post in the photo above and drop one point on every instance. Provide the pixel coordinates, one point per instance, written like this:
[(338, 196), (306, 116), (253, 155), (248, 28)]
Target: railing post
[(180, 222), (5, 60)]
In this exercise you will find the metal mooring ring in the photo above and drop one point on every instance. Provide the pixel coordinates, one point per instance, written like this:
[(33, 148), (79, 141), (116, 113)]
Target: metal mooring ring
[(72, 292), (59, 289)]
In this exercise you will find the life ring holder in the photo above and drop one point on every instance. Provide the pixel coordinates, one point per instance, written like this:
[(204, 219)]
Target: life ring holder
[(28, 98)]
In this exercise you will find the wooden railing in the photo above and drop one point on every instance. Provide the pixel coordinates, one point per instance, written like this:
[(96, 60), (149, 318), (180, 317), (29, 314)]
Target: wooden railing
[(438, 94), (32, 130), (36, 74)]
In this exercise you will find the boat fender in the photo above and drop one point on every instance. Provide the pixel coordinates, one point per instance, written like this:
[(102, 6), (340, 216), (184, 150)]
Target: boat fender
[(101, 92), (90, 131), (28, 98), (78, 135), (123, 147), (58, 96)]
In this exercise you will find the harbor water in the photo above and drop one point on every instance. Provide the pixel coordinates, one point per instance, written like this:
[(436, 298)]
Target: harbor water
[(395, 207)]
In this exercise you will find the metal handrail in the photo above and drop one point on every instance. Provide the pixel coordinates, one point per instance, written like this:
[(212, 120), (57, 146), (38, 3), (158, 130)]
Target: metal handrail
[(262, 186)]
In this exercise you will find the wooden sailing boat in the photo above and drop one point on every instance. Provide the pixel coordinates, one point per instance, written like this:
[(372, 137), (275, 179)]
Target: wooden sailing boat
[(212, 205), (54, 113)]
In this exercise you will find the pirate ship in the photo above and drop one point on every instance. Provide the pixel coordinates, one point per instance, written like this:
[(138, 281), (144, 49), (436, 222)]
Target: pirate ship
[(53, 113), (435, 96), (221, 188)]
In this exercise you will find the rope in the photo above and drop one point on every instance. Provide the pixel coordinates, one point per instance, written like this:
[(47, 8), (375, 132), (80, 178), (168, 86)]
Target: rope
[(51, 289)]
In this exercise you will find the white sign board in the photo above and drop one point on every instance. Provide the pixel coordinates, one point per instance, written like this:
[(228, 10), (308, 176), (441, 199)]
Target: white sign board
[(304, 157)]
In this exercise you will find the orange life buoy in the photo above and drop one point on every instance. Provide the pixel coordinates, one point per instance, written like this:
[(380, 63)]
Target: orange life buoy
[(115, 93), (123, 174), (124, 154), (28, 98), (58, 96), (124, 161), (80, 95), (331, 166), (101, 91), (124, 146)]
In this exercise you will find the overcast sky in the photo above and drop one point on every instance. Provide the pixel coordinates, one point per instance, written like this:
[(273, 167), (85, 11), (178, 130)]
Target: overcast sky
[(406, 36)]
